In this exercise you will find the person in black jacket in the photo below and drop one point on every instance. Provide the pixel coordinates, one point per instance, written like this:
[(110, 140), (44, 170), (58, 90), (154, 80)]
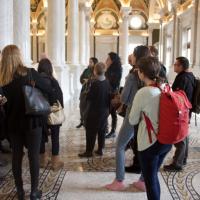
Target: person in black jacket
[(84, 78), (98, 99), (185, 81), (3, 100), (113, 75), (24, 130), (163, 71), (46, 71)]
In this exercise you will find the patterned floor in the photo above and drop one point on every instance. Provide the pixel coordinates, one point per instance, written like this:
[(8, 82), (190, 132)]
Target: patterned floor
[(79, 176)]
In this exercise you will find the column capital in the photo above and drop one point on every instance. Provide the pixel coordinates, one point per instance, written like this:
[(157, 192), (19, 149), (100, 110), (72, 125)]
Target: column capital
[(88, 12), (125, 12)]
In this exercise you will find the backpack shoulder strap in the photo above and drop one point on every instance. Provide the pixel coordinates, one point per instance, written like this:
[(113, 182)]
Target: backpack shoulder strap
[(149, 127)]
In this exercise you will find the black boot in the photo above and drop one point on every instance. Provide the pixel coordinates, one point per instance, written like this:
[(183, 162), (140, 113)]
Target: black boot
[(36, 195), (79, 126), (21, 195), (111, 134), (85, 155)]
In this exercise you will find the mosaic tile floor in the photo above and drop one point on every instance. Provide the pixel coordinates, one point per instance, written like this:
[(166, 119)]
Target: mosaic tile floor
[(83, 179)]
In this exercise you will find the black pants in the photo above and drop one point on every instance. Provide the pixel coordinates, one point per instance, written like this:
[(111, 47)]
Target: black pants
[(92, 132), (32, 139), (135, 147), (55, 130), (181, 152), (114, 119)]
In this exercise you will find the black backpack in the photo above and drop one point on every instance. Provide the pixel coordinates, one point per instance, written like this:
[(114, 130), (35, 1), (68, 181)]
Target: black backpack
[(196, 97)]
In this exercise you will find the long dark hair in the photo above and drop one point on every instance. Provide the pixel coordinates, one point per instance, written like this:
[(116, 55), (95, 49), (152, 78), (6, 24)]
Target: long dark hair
[(116, 61), (45, 66), (141, 51)]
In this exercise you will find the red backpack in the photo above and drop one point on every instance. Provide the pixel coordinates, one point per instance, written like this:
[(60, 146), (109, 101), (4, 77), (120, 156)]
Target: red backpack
[(173, 117)]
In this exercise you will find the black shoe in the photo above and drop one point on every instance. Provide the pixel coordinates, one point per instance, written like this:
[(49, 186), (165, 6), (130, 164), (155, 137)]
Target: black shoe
[(5, 150), (79, 126), (172, 168), (85, 155), (110, 135), (133, 169), (36, 195), (99, 152), (21, 195), (3, 163)]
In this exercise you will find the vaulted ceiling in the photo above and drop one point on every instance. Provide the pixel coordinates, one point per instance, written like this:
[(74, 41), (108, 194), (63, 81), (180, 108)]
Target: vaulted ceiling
[(150, 10)]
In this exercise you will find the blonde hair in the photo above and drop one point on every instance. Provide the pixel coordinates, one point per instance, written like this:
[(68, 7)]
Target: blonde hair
[(100, 68), (11, 64)]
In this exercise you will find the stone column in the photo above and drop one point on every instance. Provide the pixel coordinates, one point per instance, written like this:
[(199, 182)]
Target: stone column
[(174, 44), (56, 32), (82, 52), (150, 38), (6, 21), (161, 41), (21, 28), (73, 32), (34, 34), (73, 46), (194, 30), (56, 43), (198, 40), (124, 35), (88, 33)]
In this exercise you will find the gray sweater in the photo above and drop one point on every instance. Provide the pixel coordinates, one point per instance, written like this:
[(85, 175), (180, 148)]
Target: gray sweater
[(131, 86)]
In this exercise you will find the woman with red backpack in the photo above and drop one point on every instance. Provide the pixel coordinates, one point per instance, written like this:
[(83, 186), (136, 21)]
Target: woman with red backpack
[(146, 101)]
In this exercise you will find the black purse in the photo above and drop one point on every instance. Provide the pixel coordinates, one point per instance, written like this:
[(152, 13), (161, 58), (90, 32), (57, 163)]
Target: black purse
[(35, 102)]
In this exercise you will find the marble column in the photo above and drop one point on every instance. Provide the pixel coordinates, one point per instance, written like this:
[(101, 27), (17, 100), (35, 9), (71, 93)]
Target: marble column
[(174, 39), (73, 32), (88, 33), (34, 35), (56, 43), (150, 38), (82, 52), (124, 35), (73, 46), (198, 40), (194, 30), (161, 41), (6, 21), (56, 32), (21, 28)]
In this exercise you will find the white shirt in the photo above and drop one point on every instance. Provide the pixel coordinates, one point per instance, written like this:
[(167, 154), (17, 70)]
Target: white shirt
[(146, 100)]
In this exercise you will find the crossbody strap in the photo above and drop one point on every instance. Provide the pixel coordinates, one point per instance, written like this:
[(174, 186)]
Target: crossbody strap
[(149, 127)]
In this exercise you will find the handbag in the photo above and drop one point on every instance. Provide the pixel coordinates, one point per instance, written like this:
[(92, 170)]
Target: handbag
[(57, 116), (35, 102), (115, 101), (122, 110)]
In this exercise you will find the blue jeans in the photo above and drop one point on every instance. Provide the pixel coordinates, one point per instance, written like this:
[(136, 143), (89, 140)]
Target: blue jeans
[(150, 161), (125, 134)]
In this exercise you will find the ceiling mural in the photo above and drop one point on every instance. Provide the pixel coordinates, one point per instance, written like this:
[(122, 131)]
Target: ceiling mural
[(106, 2), (106, 20)]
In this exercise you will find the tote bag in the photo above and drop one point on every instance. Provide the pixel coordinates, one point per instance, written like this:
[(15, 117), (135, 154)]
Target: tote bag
[(35, 102), (57, 116)]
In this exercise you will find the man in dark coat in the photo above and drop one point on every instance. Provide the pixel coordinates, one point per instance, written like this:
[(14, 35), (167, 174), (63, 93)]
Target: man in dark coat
[(185, 81)]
